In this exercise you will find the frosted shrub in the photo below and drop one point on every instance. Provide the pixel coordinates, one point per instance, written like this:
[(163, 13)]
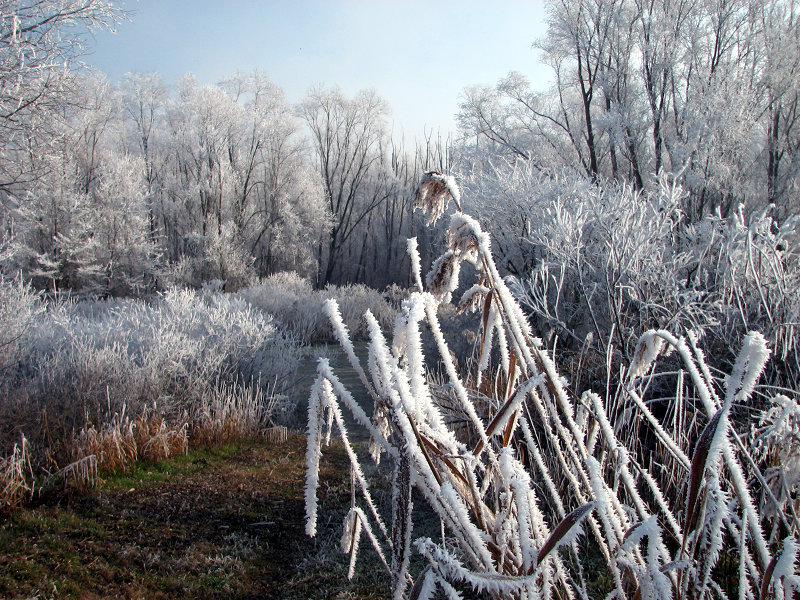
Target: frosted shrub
[(182, 358), (606, 259), (19, 306), (530, 466), (293, 302)]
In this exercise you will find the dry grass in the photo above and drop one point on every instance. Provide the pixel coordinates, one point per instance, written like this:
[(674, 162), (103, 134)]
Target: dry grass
[(15, 476)]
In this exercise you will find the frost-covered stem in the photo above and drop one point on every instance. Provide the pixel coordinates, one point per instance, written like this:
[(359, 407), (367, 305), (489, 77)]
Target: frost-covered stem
[(458, 386), (756, 277), (401, 526), (667, 440), (746, 501), (706, 393), (371, 536), (612, 530), (623, 463), (362, 482), (413, 254), (573, 480), (313, 453), (744, 584), (658, 495), (700, 358), (562, 459), (545, 472), (331, 308), (358, 413), (760, 477), (447, 504)]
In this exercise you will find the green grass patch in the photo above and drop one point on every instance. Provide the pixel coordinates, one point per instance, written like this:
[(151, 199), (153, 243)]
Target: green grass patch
[(154, 473)]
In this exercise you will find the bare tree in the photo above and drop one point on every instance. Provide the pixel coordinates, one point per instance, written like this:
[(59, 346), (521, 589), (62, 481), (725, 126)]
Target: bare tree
[(347, 136)]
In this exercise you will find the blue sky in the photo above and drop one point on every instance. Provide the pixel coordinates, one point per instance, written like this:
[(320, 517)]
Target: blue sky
[(417, 55)]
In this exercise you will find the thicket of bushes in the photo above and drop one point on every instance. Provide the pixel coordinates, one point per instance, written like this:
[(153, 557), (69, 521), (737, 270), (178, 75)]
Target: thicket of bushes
[(101, 383), (124, 378), (292, 300), (603, 259)]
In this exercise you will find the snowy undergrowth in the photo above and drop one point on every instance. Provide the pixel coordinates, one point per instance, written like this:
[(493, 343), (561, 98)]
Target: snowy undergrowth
[(527, 465), (292, 301), (611, 260), (126, 379)]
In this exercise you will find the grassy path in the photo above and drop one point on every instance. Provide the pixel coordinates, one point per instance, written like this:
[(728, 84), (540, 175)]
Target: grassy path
[(224, 523)]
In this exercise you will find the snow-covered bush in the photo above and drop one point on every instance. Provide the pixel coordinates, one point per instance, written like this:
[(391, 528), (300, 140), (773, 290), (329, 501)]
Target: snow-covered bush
[(292, 301), (19, 306), (182, 357), (528, 464), (603, 258)]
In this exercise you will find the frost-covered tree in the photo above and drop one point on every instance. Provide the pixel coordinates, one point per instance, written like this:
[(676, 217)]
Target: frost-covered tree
[(83, 226), (705, 91), (348, 136), (39, 43)]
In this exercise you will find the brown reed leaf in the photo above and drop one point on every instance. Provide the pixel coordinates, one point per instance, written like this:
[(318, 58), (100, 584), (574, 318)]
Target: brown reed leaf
[(698, 468), (767, 579), (563, 528)]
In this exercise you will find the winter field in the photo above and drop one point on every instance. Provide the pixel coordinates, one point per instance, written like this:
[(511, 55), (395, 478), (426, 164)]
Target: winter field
[(253, 348)]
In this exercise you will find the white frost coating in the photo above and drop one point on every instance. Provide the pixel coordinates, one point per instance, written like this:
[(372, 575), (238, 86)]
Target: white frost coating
[(428, 587), (371, 536), (521, 394), (716, 511), (451, 569), (784, 576), (356, 467), (351, 535), (521, 489), (458, 386), (413, 254), (706, 393), (550, 486), (719, 442), (701, 357), (313, 453), (331, 308), (608, 517), (746, 501), (442, 279), (475, 536), (472, 298), (414, 312), (654, 583), (747, 369), (492, 323), (449, 591), (453, 188), (358, 413)]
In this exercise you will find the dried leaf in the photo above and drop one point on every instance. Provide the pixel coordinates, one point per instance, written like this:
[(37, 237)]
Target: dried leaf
[(767, 579), (698, 468), (567, 524)]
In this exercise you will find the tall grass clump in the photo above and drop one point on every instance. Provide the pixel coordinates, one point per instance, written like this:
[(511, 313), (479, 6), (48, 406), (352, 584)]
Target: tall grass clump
[(126, 379), (535, 486)]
